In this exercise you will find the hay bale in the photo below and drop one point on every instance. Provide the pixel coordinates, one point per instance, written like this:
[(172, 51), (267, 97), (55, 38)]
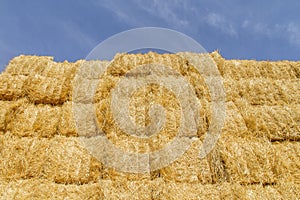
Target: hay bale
[(234, 121), (288, 165), (28, 65), (69, 162), (61, 69), (47, 90), (248, 161), (21, 158), (261, 91), (189, 168), (185, 191), (273, 122), (60, 159), (175, 190), (7, 109), (251, 69), (36, 120), (139, 190), (12, 87), (66, 125), (43, 189)]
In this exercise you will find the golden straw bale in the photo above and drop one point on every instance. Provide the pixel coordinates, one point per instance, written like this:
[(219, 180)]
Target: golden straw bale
[(35, 189), (185, 191), (288, 166), (260, 91), (60, 159), (22, 158), (189, 167), (115, 175), (69, 162), (234, 122), (135, 190), (91, 69), (12, 87), (251, 69), (273, 122), (36, 120), (7, 109), (47, 90), (292, 90), (66, 123), (190, 191), (248, 160), (61, 69), (28, 65)]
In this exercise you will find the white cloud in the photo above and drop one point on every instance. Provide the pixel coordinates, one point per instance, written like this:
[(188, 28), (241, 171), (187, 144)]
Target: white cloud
[(293, 31), (290, 31), (219, 22), (167, 10), (75, 33)]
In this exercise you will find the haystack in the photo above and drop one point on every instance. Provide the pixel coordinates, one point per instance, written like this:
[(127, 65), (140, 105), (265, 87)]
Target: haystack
[(43, 157)]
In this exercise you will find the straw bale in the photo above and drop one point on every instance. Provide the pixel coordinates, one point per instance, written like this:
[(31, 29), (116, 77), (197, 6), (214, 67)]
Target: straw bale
[(189, 167), (139, 190), (91, 69), (288, 166), (28, 65), (262, 91), (47, 90), (60, 159), (12, 87), (251, 69), (36, 120), (273, 122), (66, 123), (69, 162), (43, 189), (248, 160), (7, 109), (21, 158), (291, 89), (189, 191), (61, 69), (185, 191), (234, 121)]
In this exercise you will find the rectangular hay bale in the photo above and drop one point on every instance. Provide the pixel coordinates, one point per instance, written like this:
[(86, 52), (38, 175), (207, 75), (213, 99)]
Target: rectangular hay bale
[(274, 122), (47, 90), (7, 109), (241, 69), (12, 87), (59, 159), (36, 120), (35, 189), (262, 91), (28, 65), (247, 160), (189, 168), (66, 125)]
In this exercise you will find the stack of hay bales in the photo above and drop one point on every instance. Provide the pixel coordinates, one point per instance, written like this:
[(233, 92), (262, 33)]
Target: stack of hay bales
[(257, 156)]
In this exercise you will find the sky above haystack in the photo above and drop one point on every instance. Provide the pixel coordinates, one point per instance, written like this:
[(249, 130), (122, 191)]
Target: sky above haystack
[(69, 30)]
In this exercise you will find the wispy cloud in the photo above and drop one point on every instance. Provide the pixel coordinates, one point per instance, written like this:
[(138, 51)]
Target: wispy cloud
[(288, 31), (220, 22), (168, 10), (293, 31), (76, 34)]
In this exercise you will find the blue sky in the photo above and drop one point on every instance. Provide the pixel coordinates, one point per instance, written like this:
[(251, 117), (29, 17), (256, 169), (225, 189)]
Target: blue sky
[(70, 29)]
